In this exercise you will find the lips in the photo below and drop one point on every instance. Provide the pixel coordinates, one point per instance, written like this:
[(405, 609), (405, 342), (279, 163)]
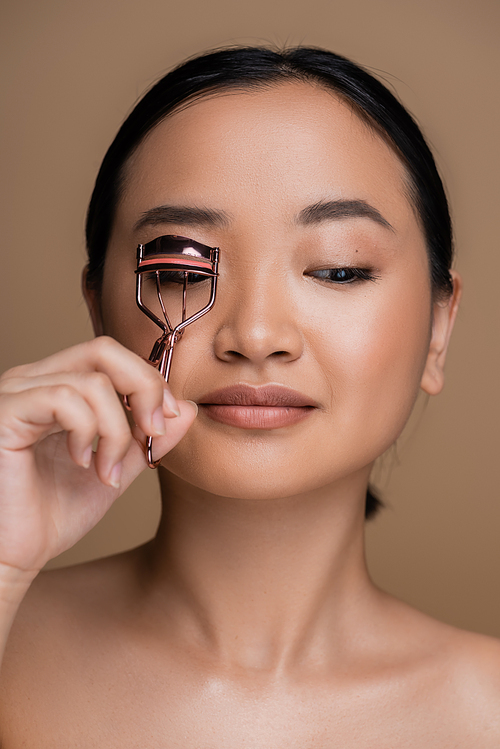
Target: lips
[(247, 407)]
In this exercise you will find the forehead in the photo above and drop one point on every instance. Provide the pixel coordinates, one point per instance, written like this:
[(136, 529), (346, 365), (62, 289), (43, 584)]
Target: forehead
[(282, 147)]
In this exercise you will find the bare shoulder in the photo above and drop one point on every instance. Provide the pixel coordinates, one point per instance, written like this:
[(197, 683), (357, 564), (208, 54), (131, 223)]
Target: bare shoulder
[(458, 673), (64, 629), (476, 670), (76, 587), (473, 690), (64, 608)]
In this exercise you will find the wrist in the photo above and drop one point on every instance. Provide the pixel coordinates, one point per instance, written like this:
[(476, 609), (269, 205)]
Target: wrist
[(14, 583)]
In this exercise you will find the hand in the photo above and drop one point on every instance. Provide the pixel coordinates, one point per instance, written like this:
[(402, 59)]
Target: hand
[(53, 488)]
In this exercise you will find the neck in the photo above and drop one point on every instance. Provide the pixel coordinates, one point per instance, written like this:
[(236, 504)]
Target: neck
[(262, 582)]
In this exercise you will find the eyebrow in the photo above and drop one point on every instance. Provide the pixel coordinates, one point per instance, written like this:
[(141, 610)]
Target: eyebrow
[(339, 209), (188, 216), (329, 210)]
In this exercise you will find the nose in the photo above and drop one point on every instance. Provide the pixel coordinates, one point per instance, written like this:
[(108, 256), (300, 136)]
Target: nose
[(259, 322)]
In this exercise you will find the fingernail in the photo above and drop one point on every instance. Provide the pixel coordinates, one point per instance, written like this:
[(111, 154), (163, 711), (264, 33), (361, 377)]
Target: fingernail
[(114, 476), (195, 406), (87, 457), (170, 403), (158, 421)]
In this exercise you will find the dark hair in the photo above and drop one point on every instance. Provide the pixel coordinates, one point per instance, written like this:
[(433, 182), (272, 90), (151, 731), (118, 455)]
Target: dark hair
[(253, 67)]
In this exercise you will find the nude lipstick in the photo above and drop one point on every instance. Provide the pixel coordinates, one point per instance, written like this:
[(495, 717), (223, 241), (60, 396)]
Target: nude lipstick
[(265, 407)]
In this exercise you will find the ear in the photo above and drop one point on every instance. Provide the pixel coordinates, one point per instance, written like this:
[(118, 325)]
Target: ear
[(443, 319), (93, 301)]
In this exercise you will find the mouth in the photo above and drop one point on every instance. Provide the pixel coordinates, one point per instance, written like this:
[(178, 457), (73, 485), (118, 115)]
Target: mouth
[(247, 407)]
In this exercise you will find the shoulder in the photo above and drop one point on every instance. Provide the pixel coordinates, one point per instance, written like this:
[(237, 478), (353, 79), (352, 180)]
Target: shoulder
[(63, 633), (471, 688), (475, 675), (62, 611), (457, 674), (59, 592)]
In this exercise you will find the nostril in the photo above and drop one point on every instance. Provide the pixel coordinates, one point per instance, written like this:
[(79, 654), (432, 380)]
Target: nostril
[(253, 340), (231, 354), (235, 354), (238, 355)]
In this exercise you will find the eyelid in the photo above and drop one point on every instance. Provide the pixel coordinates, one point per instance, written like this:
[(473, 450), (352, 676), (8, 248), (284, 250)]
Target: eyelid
[(177, 277), (356, 274)]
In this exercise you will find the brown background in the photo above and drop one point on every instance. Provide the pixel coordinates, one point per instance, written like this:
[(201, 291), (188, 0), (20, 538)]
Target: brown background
[(71, 71)]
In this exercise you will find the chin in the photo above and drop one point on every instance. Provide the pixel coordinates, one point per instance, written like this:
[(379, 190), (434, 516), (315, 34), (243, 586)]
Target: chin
[(260, 474), (245, 482)]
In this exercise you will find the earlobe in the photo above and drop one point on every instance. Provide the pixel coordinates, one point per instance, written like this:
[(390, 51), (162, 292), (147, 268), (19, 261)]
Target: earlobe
[(93, 301), (444, 315)]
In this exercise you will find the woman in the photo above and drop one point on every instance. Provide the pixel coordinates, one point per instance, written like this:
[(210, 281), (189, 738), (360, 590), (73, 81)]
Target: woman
[(250, 618)]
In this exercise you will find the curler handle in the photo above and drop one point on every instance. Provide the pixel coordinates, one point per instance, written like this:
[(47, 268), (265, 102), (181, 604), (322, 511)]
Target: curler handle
[(149, 454), (161, 357)]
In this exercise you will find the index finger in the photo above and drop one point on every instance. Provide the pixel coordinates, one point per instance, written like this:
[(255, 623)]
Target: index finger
[(145, 388)]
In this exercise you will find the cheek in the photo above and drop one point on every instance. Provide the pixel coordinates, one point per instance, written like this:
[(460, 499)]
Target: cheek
[(373, 358)]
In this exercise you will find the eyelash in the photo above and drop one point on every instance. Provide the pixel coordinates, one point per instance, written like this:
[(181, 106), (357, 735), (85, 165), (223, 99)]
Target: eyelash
[(176, 277), (347, 275)]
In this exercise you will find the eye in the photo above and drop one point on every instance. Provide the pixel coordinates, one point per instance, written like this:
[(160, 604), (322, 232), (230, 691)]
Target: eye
[(175, 276), (343, 275)]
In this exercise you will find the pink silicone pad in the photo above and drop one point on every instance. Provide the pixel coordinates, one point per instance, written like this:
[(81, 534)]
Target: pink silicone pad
[(177, 260)]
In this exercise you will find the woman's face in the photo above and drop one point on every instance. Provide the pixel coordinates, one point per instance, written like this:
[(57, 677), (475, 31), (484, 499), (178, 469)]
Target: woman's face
[(293, 188)]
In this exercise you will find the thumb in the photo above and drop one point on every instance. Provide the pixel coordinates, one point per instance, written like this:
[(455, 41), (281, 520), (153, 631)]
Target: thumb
[(135, 461)]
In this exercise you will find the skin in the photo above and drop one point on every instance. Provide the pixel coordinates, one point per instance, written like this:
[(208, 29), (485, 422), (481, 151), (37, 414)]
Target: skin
[(250, 618)]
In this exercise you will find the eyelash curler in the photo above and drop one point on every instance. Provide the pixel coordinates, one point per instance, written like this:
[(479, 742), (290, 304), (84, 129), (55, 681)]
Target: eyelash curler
[(176, 258)]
